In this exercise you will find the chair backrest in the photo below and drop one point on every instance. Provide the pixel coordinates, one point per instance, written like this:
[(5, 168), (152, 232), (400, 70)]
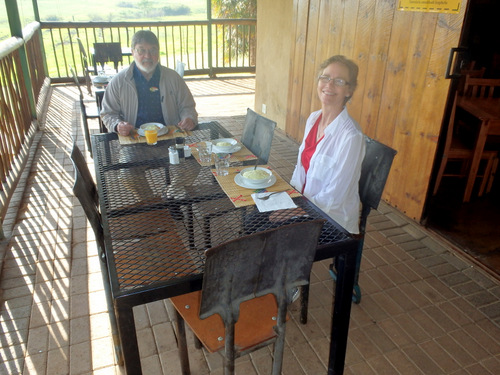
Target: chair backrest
[(83, 53), (258, 135), (482, 87), (104, 52), (273, 261), (77, 82), (374, 172), (85, 190)]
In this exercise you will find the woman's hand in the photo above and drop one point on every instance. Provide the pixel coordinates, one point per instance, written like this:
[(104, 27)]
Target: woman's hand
[(124, 128)]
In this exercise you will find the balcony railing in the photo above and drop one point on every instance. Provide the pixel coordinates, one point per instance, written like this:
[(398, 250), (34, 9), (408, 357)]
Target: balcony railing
[(22, 76), (205, 47)]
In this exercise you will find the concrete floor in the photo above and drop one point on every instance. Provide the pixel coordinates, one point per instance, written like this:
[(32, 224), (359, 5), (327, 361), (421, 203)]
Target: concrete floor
[(426, 309)]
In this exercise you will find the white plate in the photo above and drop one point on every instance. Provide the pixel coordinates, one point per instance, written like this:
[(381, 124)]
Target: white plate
[(234, 149), (239, 181), (163, 129)]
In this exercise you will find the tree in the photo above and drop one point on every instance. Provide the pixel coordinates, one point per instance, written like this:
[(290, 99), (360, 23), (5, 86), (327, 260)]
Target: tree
[(241, 38)]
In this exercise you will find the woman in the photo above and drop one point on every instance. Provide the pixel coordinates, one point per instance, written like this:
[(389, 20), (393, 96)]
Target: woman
[(329, 161)]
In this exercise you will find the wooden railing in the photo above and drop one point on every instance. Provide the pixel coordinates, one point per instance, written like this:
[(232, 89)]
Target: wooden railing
[(22, 76), (205, 47)]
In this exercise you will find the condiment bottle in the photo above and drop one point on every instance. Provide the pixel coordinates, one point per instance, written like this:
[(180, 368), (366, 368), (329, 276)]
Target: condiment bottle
[(173, 155)]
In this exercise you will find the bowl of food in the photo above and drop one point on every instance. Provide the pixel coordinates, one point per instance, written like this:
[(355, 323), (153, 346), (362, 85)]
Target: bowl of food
[(224, 144), (255, 176)]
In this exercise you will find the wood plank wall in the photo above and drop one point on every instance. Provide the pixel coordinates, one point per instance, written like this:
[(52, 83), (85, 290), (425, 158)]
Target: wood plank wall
[(402, 92)]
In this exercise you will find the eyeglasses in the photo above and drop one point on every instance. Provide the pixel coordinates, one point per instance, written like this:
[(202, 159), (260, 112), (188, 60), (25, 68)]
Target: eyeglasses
[(336, 81), (143, 51)]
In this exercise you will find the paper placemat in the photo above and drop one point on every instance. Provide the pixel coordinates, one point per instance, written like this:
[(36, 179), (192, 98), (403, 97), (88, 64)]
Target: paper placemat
[(236, 157), (172, 133), (241, 196)]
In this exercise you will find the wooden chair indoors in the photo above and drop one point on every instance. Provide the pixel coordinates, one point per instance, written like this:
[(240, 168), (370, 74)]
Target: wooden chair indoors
[(87, 69), (258, 135), (88, 111), (457, 149), (243, 308), (107, 52)]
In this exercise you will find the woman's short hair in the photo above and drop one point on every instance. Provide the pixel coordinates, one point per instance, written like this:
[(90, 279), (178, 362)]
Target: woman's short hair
[(145, 36), (349, 64)]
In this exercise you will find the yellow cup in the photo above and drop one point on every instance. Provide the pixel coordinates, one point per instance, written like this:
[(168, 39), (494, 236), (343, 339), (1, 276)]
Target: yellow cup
[(151, 136)]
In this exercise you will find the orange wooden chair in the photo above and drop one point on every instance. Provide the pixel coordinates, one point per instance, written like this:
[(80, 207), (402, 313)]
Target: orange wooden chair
[(247, 285), (457, 150)]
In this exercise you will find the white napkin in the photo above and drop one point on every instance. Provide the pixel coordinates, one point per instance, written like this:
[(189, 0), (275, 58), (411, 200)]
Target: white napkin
[(279, 201)]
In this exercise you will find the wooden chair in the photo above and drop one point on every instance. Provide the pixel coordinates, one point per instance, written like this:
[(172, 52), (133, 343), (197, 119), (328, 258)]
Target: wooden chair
[(258, 135), (456, 149), (247, 286), (87, 69), (88, 111), (107, 52)]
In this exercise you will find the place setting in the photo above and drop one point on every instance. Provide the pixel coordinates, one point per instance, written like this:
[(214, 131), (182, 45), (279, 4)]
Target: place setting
[(147, 130), (249, 186)]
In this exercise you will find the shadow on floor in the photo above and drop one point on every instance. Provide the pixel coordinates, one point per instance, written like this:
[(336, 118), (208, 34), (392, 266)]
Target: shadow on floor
[(472, 226)]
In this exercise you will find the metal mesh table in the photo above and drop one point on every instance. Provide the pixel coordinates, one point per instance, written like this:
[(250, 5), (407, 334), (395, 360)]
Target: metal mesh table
[(158, 219)]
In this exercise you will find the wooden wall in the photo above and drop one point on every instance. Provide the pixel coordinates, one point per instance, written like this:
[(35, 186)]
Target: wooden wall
[(402, 92)]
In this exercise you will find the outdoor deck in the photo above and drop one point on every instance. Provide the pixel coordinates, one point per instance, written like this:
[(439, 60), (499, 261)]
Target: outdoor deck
[(425, 309)]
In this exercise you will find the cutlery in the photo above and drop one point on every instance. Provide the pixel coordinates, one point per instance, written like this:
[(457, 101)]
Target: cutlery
[(267, 196)]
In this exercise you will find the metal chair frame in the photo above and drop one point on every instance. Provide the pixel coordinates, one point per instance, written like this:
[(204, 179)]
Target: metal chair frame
[(258, 135)]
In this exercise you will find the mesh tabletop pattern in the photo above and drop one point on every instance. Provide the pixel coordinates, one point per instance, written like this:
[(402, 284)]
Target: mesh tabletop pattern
[(158, 218)]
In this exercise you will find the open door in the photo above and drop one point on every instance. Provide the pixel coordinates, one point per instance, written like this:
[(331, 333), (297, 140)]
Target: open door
[(472, 226)]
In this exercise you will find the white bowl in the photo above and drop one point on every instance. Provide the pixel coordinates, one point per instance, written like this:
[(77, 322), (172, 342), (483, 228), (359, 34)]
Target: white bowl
[(253, 180), (224, 144)]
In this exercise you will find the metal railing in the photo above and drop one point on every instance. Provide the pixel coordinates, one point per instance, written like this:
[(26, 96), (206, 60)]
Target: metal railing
[(205, 47)]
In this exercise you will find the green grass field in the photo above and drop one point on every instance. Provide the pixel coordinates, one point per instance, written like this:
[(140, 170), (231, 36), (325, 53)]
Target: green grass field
[(99, 10)]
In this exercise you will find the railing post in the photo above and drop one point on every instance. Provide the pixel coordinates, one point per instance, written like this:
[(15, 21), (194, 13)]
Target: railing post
[(209, 39), (16, 30)]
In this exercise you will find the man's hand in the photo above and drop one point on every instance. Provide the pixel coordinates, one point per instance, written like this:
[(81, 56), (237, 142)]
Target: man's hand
[(186, 124), (124, 128)]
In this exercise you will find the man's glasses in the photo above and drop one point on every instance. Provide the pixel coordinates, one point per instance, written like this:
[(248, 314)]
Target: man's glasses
[(143, 51), (336, 81)]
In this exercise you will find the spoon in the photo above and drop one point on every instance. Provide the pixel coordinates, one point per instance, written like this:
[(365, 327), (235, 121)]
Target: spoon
[(256, 164), (269, 195)]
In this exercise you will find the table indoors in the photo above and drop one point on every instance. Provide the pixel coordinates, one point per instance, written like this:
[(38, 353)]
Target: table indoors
[(487, 111), (158, 218)]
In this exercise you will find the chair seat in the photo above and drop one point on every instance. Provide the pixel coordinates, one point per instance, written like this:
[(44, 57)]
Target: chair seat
[(254, 327)]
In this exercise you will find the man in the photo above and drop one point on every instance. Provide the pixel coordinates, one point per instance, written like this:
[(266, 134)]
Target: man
[(147, 92)]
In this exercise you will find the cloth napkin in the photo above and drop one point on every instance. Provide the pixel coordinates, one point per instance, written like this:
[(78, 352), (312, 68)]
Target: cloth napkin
[(279, 201)]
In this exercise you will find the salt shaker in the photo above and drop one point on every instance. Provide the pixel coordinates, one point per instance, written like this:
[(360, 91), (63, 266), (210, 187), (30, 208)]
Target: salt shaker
[(187, 151), (173, 155)]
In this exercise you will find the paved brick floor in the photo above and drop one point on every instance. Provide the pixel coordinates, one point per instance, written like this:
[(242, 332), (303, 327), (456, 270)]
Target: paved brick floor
[(425, 309)]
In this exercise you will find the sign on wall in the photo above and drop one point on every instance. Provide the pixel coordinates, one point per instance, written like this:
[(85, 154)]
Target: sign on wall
[(438, 6)]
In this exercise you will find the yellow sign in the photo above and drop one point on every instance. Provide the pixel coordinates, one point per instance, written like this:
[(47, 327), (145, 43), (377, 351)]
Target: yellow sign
[(438, 6)]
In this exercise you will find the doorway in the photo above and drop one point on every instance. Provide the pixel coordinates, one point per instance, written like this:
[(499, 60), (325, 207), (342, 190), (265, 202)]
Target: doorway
[(473, 226)]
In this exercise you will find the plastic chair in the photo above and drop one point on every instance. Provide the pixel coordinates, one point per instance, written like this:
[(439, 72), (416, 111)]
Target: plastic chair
[(85, 190), (248, 282), (88, 112), (87, 69), (107, 52), (374, 172), (457, 150), (258, 135)]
